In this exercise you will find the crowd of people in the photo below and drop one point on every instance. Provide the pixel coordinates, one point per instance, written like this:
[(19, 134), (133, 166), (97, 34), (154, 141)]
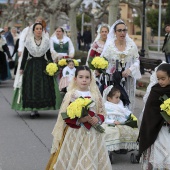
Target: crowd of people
[(77, 142)]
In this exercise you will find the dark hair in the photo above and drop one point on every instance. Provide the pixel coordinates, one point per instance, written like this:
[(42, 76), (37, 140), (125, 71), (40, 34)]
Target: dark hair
[(165, 68), (113, 91), (118, 24), (80, 68), (61, 29), (99, 71), (69, 61), (36, 25), (167, 25)]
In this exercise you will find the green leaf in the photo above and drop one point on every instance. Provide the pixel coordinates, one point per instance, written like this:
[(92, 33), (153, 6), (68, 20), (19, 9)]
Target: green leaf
[(64, 115), (165, 116)]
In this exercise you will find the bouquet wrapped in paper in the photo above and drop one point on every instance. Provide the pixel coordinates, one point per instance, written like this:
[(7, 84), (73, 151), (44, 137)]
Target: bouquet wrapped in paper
[(80, 108)]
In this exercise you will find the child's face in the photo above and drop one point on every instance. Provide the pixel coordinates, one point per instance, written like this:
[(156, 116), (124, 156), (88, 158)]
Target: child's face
[(83, 80), (163, 78), (71, 65), (114, 99)]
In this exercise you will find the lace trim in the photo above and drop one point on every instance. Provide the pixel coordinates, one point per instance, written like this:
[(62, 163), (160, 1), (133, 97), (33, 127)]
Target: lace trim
[(129, 51), (98, 47), (129, 146), (37, 51)]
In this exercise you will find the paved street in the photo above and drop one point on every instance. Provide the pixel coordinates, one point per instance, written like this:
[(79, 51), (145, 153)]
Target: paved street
[(25, 143)]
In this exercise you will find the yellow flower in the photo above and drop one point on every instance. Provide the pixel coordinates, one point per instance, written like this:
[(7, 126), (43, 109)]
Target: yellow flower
[(99, 63), (134, 117), (167, 101), (51, 69), (75, 108), (163, 107), (76, 63), (62, 62), (86, 101)]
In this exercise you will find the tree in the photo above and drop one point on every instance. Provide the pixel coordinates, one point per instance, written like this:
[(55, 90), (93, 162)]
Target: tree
[(139, 7), (153, 16), (79, 18)]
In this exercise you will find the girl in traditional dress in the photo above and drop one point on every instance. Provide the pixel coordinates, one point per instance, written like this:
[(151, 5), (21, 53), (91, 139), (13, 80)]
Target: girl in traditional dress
[(120, 47), (61, 45), (154, 134), (76, 144), (68, 73), (118, 136), (39, 91)]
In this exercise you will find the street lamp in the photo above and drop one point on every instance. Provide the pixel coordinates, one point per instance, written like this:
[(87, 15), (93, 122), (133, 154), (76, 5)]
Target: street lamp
[(143, 26), (143, 29)]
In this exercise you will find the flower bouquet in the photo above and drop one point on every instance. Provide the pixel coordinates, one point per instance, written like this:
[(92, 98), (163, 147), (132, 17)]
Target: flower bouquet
[(62, 63), (78, 109), (132, 121), (76, 63), (98, 63), (51, 69), (165, 107)]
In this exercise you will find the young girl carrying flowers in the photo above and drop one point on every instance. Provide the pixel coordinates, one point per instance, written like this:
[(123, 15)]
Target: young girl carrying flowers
[(154, 133), (77, 144)]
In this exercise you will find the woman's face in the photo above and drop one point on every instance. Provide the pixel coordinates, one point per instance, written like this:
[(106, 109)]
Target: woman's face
[(59, 33), (121, 31), (14, 31), (103, 33), (38, 31)]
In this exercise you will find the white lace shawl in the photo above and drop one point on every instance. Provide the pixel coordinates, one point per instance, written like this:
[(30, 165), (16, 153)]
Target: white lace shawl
[(116, 112), (131, 59), (37, 51)]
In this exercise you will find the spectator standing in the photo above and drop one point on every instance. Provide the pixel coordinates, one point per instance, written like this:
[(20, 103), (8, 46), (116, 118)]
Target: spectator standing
[(87, 38), (79, 40), (9, 39), (166, 44)]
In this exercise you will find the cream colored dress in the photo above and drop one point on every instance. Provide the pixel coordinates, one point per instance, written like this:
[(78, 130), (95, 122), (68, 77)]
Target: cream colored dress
[(83, 149)]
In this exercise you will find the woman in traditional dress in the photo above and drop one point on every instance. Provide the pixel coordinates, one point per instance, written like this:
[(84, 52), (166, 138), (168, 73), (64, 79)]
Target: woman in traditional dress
[(4, 67), (120, 47), (39, 91), (98, 44), (61, 45)]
